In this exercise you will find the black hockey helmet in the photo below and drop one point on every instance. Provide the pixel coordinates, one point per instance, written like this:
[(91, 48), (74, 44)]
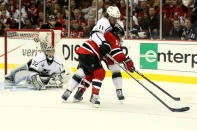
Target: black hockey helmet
[(118, 31), (52, 18)]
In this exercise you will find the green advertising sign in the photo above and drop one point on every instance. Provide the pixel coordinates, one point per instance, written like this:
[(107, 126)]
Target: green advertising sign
[(148, 56)]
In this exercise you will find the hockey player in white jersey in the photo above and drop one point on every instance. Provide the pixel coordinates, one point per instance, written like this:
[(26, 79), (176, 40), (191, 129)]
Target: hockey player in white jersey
[(20, 73), (46, 70), (104, 25)]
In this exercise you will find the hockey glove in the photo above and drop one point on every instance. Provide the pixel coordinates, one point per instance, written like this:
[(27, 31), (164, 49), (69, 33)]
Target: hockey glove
[(37, 82), (104, 48), (128, 64), (56, 79)]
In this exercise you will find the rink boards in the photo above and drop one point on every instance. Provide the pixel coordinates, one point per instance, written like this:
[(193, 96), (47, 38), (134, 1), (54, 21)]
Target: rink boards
[(172, 61)]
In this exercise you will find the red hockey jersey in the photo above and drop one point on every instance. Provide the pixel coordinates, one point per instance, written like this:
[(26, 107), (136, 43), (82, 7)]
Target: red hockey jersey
[(90, 47)]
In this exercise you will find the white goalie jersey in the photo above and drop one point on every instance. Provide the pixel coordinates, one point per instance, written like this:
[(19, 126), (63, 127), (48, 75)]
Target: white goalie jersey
[(39, 66), (45, 38)]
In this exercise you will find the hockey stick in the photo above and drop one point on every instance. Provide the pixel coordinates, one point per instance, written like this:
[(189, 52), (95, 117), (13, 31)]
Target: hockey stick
[(174, 98), (170, 108)]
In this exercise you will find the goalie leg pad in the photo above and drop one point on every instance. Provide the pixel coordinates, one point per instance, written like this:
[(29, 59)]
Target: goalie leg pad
[(20, 71), (37, 82)]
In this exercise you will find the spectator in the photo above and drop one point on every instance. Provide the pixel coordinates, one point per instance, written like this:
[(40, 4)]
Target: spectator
[(189, 31), (136, 31), (194, 14), (73, 5), (56, 7), (122, 7), (103, 8), (60, 18), (176, 31), (78, 17), (3, 8), (141, 9), (23, 14), (89, 27), (32, 12), (88, 11), (3, 17), (28, 24), (4, 2), (76, 30), (151, 23), (1, 29), (39, 19), (179, 11)]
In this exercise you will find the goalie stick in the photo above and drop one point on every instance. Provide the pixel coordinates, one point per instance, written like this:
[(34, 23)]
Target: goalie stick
[(161, 101), (165, 92)]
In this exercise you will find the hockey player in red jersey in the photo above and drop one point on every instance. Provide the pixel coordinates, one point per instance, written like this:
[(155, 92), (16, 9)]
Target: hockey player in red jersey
[(114, 38), (90, 67)]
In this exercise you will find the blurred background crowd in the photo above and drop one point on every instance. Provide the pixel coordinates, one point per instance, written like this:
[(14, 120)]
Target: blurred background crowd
[(179, 17)]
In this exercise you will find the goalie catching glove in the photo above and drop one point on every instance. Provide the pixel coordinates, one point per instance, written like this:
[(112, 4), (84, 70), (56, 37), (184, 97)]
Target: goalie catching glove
[(128, 64), (56, 80)]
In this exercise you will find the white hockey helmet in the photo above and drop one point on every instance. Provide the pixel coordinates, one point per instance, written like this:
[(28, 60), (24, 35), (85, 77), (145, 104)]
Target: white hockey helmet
[(113, 11)]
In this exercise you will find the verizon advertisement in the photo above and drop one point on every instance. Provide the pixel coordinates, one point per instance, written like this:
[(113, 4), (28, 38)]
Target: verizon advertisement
[(21, 51)]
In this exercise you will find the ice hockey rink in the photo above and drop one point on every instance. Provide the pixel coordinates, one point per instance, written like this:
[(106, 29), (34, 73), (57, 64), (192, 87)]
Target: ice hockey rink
[(30, 110)]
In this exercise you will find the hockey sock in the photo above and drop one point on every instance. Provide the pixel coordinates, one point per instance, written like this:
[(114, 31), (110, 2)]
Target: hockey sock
[(86, 82), (74, 82), (117, 80)]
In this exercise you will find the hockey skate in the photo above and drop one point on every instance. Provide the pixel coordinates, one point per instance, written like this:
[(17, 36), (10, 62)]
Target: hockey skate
[(66, 94), (78, 95), (119, 94), (94, 99)]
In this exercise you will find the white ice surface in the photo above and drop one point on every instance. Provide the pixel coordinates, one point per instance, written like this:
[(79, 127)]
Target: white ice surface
[(46, 111)]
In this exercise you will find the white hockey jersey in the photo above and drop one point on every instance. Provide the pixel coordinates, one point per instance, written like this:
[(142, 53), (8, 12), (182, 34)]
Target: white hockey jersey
[(102, 26), (40, 66)]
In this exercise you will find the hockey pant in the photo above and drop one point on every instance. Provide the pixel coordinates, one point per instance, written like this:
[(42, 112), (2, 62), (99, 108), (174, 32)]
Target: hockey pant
[(88, 65)]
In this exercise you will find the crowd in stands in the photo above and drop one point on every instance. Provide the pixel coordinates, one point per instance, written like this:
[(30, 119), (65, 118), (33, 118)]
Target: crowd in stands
[(179, 18)]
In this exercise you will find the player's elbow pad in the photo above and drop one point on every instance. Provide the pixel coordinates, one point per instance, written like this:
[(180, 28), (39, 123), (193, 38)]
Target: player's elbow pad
[(105, 48)]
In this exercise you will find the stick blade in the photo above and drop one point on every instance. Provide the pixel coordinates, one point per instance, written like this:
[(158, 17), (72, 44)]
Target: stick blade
[(180, 109)]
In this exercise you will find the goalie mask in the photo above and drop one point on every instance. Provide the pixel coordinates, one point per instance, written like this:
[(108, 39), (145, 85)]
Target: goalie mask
[(49, 51)]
